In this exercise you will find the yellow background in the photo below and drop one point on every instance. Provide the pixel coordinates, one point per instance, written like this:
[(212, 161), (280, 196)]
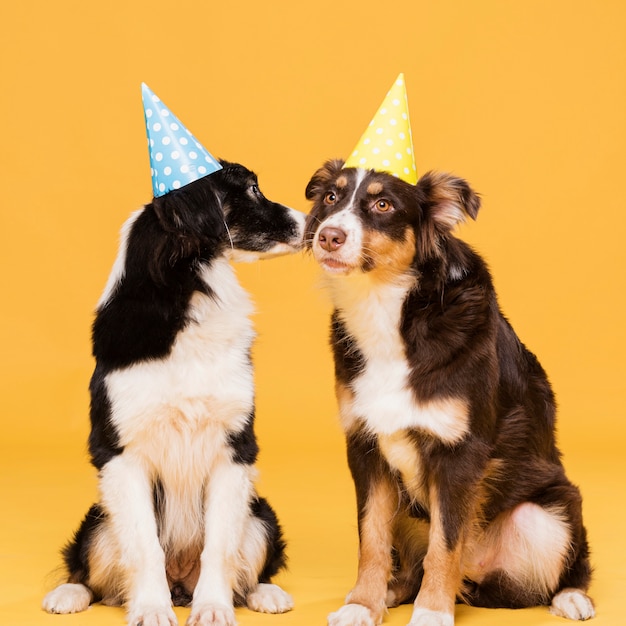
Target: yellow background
[(526, 99)]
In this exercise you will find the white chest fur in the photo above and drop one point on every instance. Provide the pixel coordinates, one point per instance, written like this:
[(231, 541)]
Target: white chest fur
[(382, 396), (179, 407)]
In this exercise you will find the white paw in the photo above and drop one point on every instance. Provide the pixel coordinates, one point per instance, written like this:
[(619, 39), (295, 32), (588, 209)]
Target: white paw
[(67, 598), (152, 616), (351, 615), (267, 598), (425, 617), (572, 604), (212, 615)]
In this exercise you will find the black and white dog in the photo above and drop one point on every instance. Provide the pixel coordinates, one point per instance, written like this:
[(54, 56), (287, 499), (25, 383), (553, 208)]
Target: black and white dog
[(172, 411)]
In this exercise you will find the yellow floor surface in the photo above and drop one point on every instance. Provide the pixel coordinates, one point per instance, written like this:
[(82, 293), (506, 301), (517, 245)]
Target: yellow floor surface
[(45, 490)]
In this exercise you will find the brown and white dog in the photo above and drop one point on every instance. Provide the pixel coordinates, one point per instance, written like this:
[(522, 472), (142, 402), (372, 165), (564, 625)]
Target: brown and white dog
[(449, 419)]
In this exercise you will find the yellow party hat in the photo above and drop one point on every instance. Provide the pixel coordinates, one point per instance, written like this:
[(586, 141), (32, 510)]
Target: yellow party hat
[(386, 144)]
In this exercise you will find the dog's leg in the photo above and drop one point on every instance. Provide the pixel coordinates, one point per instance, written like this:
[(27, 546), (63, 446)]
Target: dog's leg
[(434, 605), (366, 603), (127, 497), (263, 531), (410, 540), (572, 601), (226, 514), (76, 594)]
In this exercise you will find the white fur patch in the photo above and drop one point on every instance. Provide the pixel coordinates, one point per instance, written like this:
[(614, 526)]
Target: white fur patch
[(172, 413), (205, 381), (67, 598), (212, 615), (268, 598), (126, 494), (152, 616), (227, 520), (529, 543), (360, 177), (351, 615), (533, 546), (572, 604), (349, 255), (456, 272), (425, 617), (382, 395), (172, 416), (117, 271)]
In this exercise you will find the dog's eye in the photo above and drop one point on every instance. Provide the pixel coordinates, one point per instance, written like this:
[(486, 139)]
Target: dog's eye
[(383, 206), (255, 190), (330, 198)]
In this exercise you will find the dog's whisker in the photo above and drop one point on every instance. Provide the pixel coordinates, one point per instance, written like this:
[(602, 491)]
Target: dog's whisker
[(230, 239)]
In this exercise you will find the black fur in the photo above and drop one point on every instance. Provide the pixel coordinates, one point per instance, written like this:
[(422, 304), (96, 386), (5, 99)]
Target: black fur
[(167, 249), (457, 344), (76, 552)]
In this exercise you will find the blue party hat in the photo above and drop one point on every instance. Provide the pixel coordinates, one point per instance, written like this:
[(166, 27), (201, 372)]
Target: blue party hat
[(177, 158)]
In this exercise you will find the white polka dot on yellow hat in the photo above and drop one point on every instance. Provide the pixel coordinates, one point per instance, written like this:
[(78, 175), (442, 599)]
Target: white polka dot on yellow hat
[(387, 144)]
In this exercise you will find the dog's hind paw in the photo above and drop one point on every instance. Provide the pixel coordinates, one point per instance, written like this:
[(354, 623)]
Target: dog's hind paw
[(352, 615), (67, 598), (268, 598), (572, 604)]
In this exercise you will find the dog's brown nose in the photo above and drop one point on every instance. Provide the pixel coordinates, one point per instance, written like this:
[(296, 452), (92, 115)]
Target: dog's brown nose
[(331, 238)]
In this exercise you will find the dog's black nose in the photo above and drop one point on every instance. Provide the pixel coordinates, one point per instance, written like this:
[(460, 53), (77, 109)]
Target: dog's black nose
[(331, 238)]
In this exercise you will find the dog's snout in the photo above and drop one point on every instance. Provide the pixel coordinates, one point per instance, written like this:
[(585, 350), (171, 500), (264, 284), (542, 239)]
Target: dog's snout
[(331, 238)]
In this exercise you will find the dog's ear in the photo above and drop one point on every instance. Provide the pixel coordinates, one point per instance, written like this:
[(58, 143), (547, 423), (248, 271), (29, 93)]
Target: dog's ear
[(191, 218), (326, 173), (450, 199)]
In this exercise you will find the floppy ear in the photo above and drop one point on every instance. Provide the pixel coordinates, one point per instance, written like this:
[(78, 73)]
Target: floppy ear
[(451, 199), (191, 218), (327, 172)]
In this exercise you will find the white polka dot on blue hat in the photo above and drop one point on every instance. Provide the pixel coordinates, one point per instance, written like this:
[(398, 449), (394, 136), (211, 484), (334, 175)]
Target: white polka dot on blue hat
[(177, 158)]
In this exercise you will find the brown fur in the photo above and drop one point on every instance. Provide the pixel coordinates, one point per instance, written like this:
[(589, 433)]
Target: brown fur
[(342, 181), (374, 188), (449, 419), (389, 258), (375, 548)]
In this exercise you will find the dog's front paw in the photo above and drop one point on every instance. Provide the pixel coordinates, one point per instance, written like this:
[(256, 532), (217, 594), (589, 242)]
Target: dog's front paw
[(267, 598), (426, 617), (67, 598), (352, 615), (572, 604), (152, 616), (212, 615)]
